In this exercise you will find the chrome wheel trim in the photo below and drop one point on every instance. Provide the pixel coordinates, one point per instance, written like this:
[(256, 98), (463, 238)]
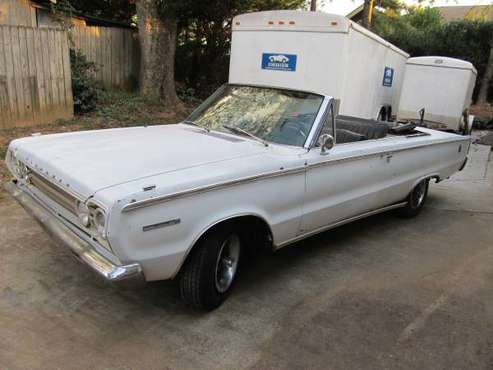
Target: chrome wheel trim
[(418, 194), (227, 263)]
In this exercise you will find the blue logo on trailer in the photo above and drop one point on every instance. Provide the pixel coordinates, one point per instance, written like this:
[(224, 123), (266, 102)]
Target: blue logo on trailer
[(279, 62), (388, 76)]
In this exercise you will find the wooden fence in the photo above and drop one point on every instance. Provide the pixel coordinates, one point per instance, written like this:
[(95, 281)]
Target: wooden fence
[(17, 13), (35, 83), (114, 51)]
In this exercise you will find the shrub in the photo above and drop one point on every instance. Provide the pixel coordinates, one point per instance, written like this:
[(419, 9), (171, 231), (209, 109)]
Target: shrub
[(84, 87)]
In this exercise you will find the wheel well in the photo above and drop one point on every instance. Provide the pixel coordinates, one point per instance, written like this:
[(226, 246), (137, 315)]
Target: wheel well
[(385, 113), (256, 233)]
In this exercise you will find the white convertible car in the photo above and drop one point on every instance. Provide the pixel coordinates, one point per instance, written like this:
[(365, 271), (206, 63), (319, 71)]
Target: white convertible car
[(252, 166)]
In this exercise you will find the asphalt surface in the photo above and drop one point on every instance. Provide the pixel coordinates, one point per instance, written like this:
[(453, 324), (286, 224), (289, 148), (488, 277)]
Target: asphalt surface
[(381, 293)]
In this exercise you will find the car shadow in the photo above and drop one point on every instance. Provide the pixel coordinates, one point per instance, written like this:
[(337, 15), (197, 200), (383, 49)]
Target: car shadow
[(268, 265)]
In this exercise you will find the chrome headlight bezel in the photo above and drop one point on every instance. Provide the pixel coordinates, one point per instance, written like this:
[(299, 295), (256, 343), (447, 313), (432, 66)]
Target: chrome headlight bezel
[(98, 219), (94, 218)]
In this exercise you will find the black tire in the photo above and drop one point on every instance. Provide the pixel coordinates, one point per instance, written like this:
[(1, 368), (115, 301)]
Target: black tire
[(415, 200), (199, 284)]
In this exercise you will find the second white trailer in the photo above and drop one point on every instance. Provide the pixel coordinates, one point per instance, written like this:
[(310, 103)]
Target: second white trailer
[(321, 53), (440, 89)]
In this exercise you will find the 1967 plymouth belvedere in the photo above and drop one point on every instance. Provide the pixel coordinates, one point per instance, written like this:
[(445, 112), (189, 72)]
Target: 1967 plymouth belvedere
[(252, 166)]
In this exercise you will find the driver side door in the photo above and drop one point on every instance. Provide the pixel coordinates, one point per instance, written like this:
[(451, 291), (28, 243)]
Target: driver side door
[(346, 181)]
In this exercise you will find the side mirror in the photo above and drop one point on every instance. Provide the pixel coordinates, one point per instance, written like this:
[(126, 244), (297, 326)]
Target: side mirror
[(326, 142)]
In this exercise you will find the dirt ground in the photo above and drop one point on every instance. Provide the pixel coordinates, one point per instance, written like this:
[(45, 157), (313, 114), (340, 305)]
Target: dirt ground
[(382, 293)]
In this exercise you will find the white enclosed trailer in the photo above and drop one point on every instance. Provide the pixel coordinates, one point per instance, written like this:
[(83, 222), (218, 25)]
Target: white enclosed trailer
[(441, 86), (318, 52)]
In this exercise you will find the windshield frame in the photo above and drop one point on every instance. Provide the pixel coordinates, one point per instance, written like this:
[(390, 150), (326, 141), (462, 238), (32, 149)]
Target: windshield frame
[(313, 130)]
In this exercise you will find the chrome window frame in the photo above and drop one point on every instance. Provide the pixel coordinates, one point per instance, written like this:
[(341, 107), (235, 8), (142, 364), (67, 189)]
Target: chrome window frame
[(325, 109)]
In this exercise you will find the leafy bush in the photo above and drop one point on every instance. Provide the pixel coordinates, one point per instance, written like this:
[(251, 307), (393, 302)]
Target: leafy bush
[(186, 94), (422, 31), (84, 87)]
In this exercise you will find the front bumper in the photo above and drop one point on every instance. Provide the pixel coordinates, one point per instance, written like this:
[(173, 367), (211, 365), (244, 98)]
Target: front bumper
[(123, 275)]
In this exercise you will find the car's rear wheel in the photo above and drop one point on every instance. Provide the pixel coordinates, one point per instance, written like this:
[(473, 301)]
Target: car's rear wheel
[(210, 271), (416, 199)]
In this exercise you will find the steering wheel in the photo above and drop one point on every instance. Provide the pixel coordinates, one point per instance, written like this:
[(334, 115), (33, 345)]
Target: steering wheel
[(291, 132), (293, 126)]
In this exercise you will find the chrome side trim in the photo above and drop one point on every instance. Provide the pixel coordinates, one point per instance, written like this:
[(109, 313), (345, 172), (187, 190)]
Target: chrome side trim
[(340, 223), (159, 225), (377, 154), (165, 198)]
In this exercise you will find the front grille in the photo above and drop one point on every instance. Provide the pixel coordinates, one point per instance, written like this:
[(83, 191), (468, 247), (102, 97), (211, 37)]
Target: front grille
[(54, 192)]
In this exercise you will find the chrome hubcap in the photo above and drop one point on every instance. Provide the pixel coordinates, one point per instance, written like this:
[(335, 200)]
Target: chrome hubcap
[(227, 263), (419, 194)]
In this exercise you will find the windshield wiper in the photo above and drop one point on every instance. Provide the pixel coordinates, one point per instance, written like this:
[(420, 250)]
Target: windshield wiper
[(240, 131), (189, 122)]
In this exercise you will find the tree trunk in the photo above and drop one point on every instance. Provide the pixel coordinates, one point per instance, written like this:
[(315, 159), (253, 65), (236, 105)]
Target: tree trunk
[(367, 14), (157, 37), (313, 5), (485, 81)]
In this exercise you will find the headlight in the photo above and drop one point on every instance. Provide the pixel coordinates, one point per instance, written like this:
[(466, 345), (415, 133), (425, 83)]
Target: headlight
[(98, 219), (92, 216), (100, 222), (83, 214)]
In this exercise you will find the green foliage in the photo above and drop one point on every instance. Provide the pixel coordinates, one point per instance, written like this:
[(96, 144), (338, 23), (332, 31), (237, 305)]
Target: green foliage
[(3, 152), (116, 10), (84, 87), (412, 31), (422, 32), (62, 12), (202, 55), (187, 94)]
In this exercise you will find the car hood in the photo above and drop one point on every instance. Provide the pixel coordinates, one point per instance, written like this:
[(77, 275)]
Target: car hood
[(90, 161)]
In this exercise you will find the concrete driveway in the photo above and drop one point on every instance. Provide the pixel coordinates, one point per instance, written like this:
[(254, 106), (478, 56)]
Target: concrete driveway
[(380, 293)]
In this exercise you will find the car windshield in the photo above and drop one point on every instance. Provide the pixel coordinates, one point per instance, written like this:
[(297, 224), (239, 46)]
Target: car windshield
[(271, 115)]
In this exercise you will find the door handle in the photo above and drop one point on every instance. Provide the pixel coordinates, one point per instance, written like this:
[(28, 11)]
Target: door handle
[(388, 157)]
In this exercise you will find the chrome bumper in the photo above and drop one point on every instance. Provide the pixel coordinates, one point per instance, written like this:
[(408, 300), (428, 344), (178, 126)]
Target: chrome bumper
[(124, 275)]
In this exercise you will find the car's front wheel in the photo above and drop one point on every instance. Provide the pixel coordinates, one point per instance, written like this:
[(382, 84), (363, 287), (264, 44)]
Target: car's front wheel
[(210, 271), (416, 199)]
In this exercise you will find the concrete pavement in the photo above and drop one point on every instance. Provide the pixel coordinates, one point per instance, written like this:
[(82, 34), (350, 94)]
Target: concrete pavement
[(379, 293)]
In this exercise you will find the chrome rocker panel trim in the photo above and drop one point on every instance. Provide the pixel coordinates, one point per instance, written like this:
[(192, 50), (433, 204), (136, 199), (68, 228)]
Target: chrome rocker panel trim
[(340, 223), (122, 275)]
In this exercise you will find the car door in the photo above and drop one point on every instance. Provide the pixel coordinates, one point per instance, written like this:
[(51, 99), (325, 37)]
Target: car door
[(348, 180)]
